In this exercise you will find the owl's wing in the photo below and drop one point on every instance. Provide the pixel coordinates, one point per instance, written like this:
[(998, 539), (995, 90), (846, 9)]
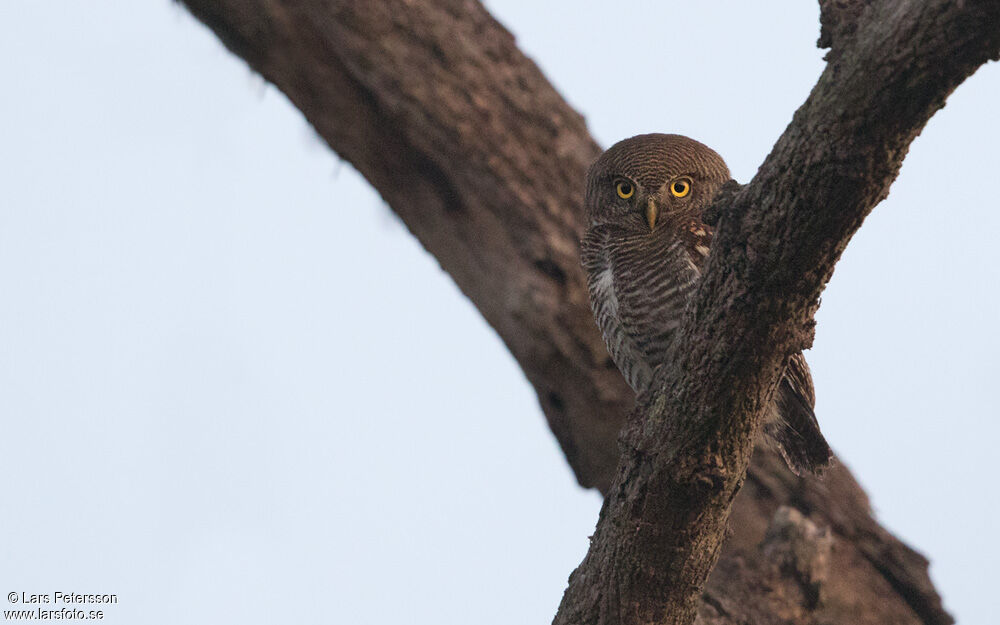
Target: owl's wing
[(796, 430), (799, 380), (697, 237)]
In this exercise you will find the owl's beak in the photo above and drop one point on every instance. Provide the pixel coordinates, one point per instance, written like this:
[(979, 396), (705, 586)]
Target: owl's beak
[(652, 212)]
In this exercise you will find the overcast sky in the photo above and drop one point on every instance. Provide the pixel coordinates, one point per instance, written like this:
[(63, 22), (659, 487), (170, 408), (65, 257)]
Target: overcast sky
[(234, 388)]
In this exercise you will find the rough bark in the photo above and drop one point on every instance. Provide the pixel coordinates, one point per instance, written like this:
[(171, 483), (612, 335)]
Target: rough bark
[(688, 447), (465, 139)]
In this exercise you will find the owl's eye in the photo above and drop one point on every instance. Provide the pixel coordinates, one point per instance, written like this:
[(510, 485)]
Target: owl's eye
[(625, 189), (680, 188)]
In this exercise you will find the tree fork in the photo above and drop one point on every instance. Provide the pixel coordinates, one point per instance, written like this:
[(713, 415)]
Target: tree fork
[(469, 144)]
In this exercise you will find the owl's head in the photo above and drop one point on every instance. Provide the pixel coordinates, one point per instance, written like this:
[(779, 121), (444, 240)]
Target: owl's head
[(652, 179)]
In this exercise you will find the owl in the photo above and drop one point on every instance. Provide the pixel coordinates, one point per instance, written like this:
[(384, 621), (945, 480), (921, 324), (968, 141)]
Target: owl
[(643, 252)]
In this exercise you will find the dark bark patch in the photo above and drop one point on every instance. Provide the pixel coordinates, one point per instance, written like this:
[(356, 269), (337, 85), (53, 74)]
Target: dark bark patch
[(552, 270)]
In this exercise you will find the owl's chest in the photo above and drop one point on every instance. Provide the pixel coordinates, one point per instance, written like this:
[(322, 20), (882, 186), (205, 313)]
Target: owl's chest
[(638, 289), (652, 282)]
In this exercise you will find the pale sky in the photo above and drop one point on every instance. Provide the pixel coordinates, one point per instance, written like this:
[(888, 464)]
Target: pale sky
[(235, 389)]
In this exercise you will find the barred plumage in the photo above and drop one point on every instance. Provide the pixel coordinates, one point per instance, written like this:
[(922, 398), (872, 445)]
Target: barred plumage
[(643, 253)]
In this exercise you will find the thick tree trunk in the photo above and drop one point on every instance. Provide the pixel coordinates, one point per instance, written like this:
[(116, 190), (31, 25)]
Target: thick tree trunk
[(776, 243), (465, 139)]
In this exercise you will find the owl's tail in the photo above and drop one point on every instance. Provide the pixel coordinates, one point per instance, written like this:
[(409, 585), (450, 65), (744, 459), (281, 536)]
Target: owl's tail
[(796, 433)]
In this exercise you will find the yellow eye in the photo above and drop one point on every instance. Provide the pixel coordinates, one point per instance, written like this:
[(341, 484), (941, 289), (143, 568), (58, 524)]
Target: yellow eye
[(625, 189), (680, 188)]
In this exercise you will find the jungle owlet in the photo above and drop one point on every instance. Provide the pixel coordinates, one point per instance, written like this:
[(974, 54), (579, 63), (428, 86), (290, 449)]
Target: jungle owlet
[(643, 252)]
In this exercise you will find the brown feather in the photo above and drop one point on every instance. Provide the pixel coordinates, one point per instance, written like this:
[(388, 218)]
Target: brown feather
[(640, 280)]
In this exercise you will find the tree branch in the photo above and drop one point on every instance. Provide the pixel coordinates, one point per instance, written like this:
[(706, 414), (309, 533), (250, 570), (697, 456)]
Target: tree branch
[(469, 144), (688, 446), (480, 158)]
